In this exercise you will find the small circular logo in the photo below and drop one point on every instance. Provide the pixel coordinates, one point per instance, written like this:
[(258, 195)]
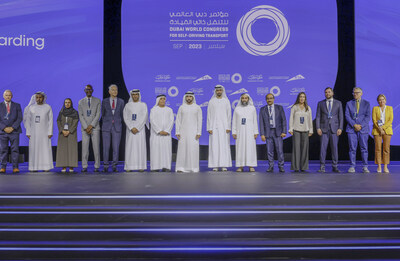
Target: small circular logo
[(245, 36), (236, 78), (276, 91), (173, 91)]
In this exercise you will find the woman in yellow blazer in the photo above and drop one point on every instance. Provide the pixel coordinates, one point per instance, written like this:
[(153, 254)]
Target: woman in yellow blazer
[(382, 118)]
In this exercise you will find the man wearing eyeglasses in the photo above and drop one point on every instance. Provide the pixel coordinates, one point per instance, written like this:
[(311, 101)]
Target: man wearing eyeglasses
[(357, 115)]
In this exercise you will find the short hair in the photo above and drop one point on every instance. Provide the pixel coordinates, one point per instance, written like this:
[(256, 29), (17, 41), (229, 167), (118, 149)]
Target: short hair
[(357, 88), (112, 85), (273, 96), (328, 88), (7, 91), (381, 95), (89, 85)]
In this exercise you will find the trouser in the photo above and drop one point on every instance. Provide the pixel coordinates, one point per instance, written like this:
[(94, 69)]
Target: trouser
[(333, 139), (354, 139), (300, 147), (115, 137), (275, 142), (385, 158), (95, 137), (13, 139)]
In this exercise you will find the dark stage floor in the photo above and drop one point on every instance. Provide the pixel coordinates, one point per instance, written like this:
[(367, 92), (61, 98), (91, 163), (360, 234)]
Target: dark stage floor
[(205, 182)]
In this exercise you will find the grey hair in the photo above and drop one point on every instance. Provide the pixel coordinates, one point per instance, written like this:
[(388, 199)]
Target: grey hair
[(357, 88), (7, 91), (112, 85)]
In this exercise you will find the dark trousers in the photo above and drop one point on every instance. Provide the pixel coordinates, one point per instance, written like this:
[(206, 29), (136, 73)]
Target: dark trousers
[(113, 138), (13, 139), (300, 151), (354, 139), (333, 139), (273, 143)]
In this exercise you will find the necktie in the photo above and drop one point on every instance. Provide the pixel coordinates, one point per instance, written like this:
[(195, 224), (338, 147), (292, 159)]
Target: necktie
[(89, 102), (270, 110), (329, 106), (358, 105), (113, 105), (8, 107)]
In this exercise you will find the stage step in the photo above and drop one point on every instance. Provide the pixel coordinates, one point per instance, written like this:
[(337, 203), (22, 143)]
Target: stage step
[(193, 226)]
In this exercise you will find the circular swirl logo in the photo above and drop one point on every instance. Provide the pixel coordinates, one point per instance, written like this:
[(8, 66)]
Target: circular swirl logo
[(245, 36)]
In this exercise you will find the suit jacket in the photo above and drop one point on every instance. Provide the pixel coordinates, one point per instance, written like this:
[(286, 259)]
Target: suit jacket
[(108, 118), (280, 121), (376, 115), (93, 119), (14, 118), (325, 123), (363, 117)]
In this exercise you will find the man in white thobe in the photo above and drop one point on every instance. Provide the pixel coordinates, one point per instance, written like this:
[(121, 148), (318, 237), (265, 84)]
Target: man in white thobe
[(135, 117), (245, 132), (219, 115), (161, 123), (38, 121), (188, 131)]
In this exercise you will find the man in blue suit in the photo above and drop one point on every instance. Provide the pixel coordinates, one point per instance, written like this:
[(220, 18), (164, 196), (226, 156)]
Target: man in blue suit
[(112, 116), (273, 129), (358, 113), (10, 128), (329, 123)]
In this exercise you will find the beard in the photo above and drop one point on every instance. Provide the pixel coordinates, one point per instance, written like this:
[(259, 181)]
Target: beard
[(245, 103)]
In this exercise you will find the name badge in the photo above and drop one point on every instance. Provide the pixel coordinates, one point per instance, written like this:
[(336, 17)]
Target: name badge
[(355, 115), (37, 119), (66, 126), (301, 120), (243, 121), (329, 116), (134, 116), (380, 123), (88, 113), (6, 117)]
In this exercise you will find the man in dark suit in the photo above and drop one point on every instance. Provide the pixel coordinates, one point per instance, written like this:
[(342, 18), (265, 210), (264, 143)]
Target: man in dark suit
[(273, 129), (329, 123), (112, 116), (358, 114), (10, 128)]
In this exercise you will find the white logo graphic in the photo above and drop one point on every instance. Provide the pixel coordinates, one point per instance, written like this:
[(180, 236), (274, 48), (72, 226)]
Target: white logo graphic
[(173, 91), (297, 77), (276, 91), (236, 78), (235, 103), (205, 77), (243, 90), (245, 36), (204, 104)]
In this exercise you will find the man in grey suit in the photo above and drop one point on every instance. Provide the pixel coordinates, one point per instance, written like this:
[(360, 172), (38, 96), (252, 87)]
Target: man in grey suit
[(329, 123), (112, 116), (89, 114), (273, 128)]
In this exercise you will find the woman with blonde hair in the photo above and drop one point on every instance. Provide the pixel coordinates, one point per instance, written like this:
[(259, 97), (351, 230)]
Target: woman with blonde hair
[(382, 118)]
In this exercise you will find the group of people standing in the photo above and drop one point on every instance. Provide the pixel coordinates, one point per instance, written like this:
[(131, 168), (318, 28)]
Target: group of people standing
[(243, 125)]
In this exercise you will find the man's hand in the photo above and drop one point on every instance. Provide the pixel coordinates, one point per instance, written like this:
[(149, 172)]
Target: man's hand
[(228, 131), (234, 136), (163, 133), (357, 127), (29, 136), (178, 136), (339, 132), (310, 134), (319, 131), (210, 132), (198, 137), (283, 135), (263, 138), (134, 130), (65, 133), (255, 136), (50, 136), (89, 128), (291, 133)]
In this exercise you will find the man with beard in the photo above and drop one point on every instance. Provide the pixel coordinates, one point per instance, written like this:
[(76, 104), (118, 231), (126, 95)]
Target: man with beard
[(329, 123), (219, 117), (245, 132), (188, 131)]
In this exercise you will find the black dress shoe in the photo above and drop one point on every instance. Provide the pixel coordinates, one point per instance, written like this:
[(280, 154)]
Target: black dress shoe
[(105, 169), (270, 169), (304, 171), (84, 170), (321, 170), (115, 169), (96, 170), (281, 169), (336, 170)]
